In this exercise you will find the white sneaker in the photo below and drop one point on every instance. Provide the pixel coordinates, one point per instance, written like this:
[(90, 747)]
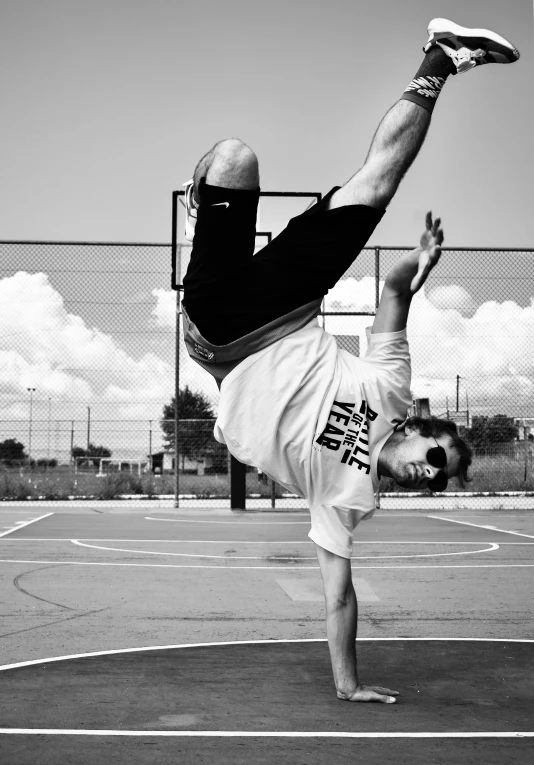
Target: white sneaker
[(190, 211), (469, 47)]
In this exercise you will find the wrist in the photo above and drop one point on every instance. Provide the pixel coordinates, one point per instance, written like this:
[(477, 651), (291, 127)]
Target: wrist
[(346, 695)]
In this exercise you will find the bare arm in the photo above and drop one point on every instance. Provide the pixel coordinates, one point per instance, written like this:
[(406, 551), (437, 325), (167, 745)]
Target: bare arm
[(341, 624), (406, 278)]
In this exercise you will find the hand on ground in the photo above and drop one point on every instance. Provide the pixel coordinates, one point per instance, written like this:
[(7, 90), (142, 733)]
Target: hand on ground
[(431, 241), (371, 693)]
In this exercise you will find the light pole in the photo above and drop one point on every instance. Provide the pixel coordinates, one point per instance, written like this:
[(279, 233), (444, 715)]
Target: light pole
[(49, 423), (31, 391)]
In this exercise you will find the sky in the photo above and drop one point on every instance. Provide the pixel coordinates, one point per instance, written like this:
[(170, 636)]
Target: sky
[(107, 107)]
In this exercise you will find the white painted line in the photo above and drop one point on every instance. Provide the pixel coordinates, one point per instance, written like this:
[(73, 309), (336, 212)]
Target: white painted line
[(20, 525), (256, 541), (257, 734), (493, 546), (437, 567), (478, 526), (222, 644), (234, 523)]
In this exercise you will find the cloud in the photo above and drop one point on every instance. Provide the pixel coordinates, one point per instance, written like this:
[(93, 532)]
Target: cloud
[(44, 346), (490, 347), (453, 296)]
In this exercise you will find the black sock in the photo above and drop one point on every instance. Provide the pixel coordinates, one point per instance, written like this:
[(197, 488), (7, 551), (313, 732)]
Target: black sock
[(426, 86)]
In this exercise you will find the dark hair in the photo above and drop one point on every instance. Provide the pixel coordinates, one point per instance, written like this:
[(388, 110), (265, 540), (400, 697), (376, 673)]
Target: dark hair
[(432, 426)]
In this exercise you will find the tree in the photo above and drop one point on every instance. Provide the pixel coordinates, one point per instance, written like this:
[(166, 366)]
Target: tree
[(92, 454), (489, 431), (194, 438), (12, 452)]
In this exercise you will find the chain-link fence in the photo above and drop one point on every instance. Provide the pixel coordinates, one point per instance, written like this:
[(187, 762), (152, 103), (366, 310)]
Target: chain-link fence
[(89, 365)]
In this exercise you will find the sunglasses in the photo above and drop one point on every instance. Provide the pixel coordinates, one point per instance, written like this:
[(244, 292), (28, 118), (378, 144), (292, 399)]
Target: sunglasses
[(437, 457)]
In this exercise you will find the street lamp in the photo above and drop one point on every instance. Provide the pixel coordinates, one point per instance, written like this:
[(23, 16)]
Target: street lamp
[(31, 391)]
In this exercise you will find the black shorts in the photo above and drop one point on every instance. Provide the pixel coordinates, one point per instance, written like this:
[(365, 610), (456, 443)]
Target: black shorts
[(229, 292)]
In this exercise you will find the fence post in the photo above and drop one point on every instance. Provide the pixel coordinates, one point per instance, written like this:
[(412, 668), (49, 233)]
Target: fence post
[(526, 433), (176, 398), (377, 301)]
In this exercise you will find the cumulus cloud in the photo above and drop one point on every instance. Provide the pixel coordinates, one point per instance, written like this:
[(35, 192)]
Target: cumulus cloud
[(44, 346), (453, 296), (489, 346)]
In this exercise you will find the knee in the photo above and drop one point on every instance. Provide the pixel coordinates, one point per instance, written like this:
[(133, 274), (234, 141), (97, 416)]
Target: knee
[(234, 165)]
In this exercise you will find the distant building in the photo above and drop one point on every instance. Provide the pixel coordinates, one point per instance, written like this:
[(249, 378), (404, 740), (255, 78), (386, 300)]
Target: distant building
[(164, 462), (525, 426), (462, 418), (420, 407)]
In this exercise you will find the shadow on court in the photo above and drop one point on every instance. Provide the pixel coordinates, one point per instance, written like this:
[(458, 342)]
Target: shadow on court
[(451, 686)]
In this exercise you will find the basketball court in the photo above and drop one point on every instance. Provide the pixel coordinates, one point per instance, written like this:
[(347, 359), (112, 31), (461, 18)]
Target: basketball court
[(153, 635)]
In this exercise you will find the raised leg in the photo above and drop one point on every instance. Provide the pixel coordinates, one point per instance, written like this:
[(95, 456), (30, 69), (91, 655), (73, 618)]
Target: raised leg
[(230, 163), (395, 145)]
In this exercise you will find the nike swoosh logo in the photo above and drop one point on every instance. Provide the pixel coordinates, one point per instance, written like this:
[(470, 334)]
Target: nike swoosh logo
[(221, 204)]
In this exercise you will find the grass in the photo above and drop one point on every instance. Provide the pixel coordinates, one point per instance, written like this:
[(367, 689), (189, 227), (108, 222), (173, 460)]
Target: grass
[(489, 474), (62, 483)]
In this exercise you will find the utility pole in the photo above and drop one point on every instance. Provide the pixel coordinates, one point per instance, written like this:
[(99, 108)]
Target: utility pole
[(31, 392), (71, 441), (88, 427), (457, 392), (48, 444)]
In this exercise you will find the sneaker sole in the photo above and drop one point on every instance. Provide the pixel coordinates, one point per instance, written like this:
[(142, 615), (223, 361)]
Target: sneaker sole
[(440, 29)]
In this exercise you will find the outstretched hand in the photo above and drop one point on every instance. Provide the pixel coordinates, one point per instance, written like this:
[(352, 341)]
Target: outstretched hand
[(371, 693), (431, 241)]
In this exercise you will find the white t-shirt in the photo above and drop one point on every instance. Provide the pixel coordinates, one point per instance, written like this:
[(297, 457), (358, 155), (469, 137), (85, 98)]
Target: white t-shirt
[(314, 418)]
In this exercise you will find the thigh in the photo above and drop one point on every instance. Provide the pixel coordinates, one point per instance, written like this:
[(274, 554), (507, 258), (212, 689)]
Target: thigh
[(222, 252), (310, 256)]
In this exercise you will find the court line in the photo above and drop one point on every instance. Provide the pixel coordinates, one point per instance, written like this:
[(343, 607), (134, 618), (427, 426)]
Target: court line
[(224, 643), (258, 734), (256, 541), (261, 568), (22, 525), (235, 523), (479, 526), (493, 546)]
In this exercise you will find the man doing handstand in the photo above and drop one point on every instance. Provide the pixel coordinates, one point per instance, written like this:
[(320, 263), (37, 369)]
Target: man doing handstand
[(321, 422)]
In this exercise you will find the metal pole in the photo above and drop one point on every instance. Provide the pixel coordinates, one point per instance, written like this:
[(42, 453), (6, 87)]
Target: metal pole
[(31, 391), (71, 442), (377, 277), (48, 444), (150, 467), (377, 301), (88, 427), (457, 392), (526, 433), (176, 402)]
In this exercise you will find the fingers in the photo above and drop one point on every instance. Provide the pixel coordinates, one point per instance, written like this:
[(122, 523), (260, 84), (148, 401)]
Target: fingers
[(379, 689), (375, 693), (373, 696), (434, 227)]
